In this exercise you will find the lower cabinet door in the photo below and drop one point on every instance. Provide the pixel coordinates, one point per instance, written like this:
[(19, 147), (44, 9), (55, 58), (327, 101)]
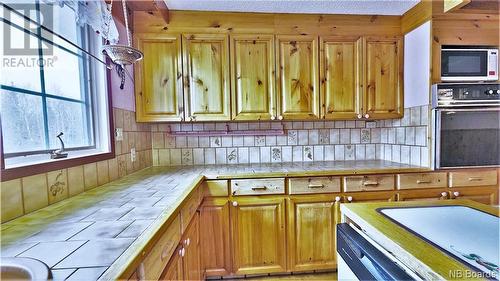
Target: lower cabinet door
[(174, 270), (191, 259), (258, 235), (312, 232), (485, 195), (214, 237)]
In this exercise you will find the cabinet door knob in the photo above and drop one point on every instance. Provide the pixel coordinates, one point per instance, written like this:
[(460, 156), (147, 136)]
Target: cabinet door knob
[(183, 252), (337, 198), (180, 252), (235, 203), (349, 198), (280, 117), (360, 116), (273, 117), (456, 193), (443, 194), (367, 116)]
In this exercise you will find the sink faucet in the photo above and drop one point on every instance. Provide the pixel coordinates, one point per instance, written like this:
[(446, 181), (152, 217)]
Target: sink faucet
[(59, 153)]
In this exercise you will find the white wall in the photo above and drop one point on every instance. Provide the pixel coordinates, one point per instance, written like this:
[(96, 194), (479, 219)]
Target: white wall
[(417, 66)]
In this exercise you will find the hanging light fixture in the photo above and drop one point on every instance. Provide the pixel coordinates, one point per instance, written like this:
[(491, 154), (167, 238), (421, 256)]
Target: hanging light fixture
[(123, 54)]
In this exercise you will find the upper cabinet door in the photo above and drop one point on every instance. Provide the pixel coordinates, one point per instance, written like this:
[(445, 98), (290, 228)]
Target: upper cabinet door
[(383, 96), (340, 59), (206, 69), (252, 77), (158, 78), (298, 77)]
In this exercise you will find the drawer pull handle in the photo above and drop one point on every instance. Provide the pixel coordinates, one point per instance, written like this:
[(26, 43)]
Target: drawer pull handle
[(316, 186), (259, 187), (423, 181), (475, 179), (369, 183)]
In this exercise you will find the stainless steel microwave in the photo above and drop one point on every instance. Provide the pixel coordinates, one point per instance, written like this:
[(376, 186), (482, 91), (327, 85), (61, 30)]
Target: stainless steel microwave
[(459, 65)]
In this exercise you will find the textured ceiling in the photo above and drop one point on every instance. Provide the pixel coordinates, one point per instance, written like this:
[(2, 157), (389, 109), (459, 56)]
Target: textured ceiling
[(358, 7)]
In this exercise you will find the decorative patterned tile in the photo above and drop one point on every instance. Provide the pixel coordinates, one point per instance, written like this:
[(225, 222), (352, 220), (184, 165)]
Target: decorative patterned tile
[(308, 154), (57, 185), (232, 155), (276, 154)]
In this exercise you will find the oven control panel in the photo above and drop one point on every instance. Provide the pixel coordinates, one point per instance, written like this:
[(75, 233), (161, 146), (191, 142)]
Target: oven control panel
[(445, 95)]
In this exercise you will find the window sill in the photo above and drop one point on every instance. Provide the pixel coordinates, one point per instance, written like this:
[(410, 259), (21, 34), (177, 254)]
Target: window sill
[(24, 169)]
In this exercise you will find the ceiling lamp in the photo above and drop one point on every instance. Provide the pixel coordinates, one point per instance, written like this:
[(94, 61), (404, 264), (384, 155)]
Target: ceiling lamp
[(123, 54)]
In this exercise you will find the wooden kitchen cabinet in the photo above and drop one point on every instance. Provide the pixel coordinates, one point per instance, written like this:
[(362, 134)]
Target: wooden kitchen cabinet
[(174, 269), (367, 196), (340, 63), (423, 194), (191, 258), (298, 77), (158, 78), (206, 70), (311, 226), (258, 235), (383, 94), (485, 195), (215, 236), (253, 77)]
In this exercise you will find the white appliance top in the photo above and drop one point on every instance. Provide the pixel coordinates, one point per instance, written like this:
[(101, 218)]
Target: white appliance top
[(469, 235)]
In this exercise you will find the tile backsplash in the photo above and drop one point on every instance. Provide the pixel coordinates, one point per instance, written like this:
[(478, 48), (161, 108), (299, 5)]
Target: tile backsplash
[(303, 141), (400, 140)]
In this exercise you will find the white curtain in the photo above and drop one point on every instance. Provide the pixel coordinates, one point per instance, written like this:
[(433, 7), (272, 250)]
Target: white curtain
[(95, 13)]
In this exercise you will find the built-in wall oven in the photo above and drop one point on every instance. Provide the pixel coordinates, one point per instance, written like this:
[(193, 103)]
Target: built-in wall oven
[(466, 124)]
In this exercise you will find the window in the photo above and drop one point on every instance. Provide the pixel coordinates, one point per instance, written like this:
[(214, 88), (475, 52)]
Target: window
[(49, 86)]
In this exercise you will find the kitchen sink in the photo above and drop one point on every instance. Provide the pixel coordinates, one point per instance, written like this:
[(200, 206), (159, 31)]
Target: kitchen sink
[(23, 269)]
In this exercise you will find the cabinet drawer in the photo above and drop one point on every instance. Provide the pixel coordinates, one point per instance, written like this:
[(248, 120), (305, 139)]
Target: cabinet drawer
[(368, 183), (215, 188), (423, 180), (258, 186), (473, 178), (190, 208), (314, 185), (157, 259)]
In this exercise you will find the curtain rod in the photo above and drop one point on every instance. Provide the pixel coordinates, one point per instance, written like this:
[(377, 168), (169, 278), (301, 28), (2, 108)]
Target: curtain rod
[(56, 34)]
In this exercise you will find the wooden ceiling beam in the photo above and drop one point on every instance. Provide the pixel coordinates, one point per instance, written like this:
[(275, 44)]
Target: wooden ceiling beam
[(161, 6)]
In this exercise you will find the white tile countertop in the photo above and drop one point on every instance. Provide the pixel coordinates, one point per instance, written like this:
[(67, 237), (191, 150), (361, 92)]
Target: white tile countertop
[(88, 233)]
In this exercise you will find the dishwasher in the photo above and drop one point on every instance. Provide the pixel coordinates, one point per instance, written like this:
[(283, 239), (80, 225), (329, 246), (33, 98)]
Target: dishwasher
[(359, 259)]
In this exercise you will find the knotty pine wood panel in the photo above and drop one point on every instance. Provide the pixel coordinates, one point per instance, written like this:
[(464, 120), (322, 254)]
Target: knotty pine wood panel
[(298, 77), (312, 232), (252, 77), (158, 78), (206, 87), (259, 23), (258, 235), (383, 96), (215, 237), (340, 62)]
